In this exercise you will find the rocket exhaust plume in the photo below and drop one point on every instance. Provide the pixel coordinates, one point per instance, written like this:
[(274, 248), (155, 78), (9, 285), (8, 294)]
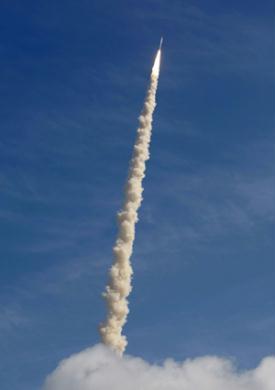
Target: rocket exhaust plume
[(120, 275)]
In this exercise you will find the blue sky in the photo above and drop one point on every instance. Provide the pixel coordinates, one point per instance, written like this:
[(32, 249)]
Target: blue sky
[(74, 75)]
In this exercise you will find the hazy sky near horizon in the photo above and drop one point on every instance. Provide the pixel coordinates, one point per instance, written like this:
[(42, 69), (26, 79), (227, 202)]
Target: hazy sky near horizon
[(74, 76)]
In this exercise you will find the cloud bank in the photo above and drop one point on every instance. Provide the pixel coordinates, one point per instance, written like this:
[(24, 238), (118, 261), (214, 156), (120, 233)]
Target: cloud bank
[(98, 368)]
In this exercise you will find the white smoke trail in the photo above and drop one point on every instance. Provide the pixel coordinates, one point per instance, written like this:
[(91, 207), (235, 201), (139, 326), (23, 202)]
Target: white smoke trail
[(119, 286)]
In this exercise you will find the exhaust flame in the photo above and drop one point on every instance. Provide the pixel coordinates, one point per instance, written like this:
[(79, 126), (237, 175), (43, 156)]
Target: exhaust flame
[(156, 66), (120, 275)]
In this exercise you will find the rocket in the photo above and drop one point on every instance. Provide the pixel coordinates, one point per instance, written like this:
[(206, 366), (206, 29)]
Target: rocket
[(160, 43)]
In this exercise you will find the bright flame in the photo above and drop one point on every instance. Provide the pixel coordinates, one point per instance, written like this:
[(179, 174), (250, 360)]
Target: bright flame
[(156, 66)]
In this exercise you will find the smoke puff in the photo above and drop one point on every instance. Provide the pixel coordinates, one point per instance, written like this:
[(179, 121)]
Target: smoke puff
[(98, 368)]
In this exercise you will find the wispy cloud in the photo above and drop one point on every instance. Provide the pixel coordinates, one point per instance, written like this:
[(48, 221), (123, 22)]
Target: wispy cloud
[(11, 318), (218, 43)]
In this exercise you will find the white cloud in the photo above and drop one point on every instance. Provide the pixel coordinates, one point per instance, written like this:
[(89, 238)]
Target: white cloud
[(98, 368)]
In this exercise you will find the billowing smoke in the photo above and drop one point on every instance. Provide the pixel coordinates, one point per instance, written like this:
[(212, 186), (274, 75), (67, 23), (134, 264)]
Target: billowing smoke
[(119, 286), (99, 368)]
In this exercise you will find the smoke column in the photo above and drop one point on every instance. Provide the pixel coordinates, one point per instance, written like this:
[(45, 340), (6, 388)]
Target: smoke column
[(120, 275)]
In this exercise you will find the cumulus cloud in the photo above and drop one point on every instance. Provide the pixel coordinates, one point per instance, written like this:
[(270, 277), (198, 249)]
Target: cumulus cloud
[(98, 368)]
